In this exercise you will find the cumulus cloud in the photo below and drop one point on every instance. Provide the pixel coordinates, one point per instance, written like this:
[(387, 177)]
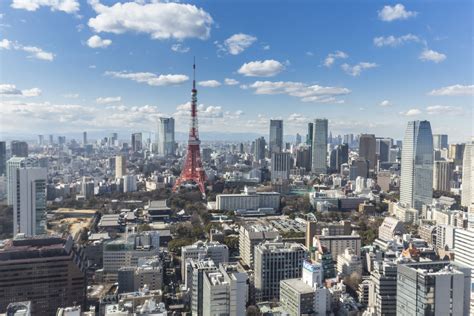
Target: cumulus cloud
[(107, 100), (305, 92), (68, 6), (10, 90), (431, 55), (179, 48), (454, 90), (357, 69), (209, 83), (395, 41), (397, 12), (34, 52), (161, 20), (149, 78), (96, 41), (411, 112), (230, 82), (266, 68), (331, 58), (183, 110), (237, 43), (385, 103)]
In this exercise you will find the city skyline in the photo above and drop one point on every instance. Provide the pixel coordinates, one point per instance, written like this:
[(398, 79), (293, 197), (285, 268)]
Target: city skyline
[(373, 69)]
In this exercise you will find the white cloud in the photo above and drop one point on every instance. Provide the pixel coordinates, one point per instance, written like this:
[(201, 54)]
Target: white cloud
[(431, 55), (266, 47), (71, 95), (305, 92), (237, 43), (454, 90), (179, 48), (357, 69), (230, 82), (444, 110), (68, 6), (385, 103), (107, 100), (10, 90), (309, 54), (266, 68), (411, 112), (209, 83), (149, 78), (183, 110), (395, 41), (331, 58), (34, 52), (96, 41), (162, 20), (397, 12)]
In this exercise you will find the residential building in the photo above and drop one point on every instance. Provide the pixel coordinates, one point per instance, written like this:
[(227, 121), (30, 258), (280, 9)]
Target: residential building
[(467, 196), (336, 245), (348, 263), (120, 166)]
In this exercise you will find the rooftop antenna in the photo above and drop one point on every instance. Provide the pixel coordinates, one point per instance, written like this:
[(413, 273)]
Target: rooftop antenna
[(194, 73)]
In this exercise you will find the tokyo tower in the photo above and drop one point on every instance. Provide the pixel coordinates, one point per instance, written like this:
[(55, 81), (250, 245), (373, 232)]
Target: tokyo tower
[(193, 170)]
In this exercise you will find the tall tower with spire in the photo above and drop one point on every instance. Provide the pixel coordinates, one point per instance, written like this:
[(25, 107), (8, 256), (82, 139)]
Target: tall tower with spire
[(193, 170)]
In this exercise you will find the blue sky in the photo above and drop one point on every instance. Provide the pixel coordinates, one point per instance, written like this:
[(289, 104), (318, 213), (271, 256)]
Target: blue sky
[(367, 66)]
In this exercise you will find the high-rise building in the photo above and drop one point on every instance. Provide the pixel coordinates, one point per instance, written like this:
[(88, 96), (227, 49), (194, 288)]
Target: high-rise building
[(303, 158), (120, 166), (276, 136), (40, 140), (281, 164), (342, 155), (225, 292), (442, 175), (137, 143), (3, 158), (464, 254), (383, 295), (217, 252), (12, 175), (440, 141), (29, 207), (19, 149), (367, 149), (456, 153), (416, 183), (165, 136), (44, 270), (249, 237), (309, 135), (51, 139), (276, 261), (298, 139), (84, 138), (467, 196), (260, 149), (433, 288), (382, 148), (319, 147)]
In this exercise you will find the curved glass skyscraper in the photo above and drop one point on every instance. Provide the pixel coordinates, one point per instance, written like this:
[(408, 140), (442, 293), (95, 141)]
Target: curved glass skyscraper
[(416, 183)]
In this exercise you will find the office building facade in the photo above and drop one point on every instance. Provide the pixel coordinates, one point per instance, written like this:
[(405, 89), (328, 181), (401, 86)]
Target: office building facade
[(276, 136), (319, 147), (165, 136)]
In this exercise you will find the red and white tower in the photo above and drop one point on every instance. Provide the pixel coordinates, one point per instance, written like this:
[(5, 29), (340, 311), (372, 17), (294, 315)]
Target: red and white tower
[(193, 170)]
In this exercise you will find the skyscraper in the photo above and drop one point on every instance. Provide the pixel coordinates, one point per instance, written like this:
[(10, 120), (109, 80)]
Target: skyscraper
[(19, 149), (40, 140), (84, 138), (319, 147), (440, 141), (442, 175), (281, 164), (416, 183), (12, 175), (165, 136), (3, 158), (467, 196), (137, 143), (276, 136), (309, 135), (29, 212), (260, 149), (120, 166), (367, 146)]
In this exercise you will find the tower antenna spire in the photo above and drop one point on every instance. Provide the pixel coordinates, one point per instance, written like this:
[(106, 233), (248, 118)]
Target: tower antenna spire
[(194, 72)]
